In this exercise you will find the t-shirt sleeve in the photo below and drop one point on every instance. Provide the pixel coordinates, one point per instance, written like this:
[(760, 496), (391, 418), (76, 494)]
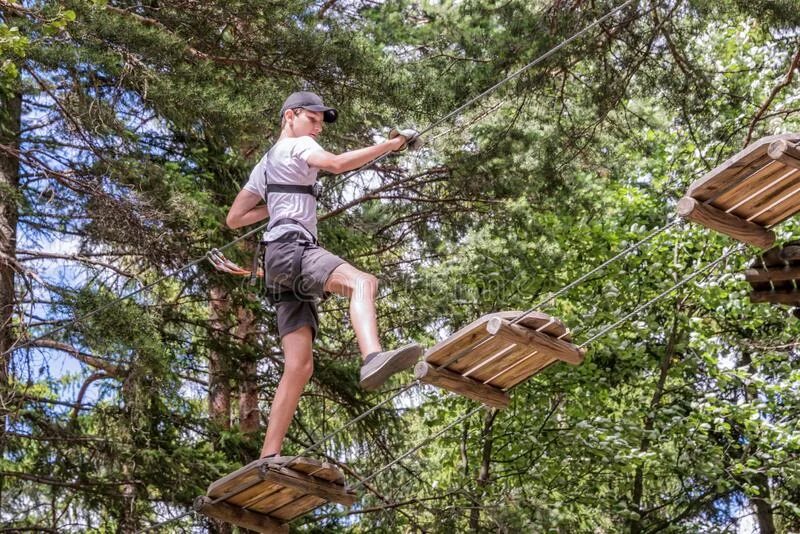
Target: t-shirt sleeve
[(255, 184), (304, 147)]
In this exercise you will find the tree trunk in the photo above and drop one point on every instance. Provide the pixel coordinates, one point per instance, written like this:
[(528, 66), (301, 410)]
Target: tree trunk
[(635, 524), (483, 474), (129, 521), (248, 381), (10, 117), (9, 187), (763, 506), (219, 387), (762, 503)]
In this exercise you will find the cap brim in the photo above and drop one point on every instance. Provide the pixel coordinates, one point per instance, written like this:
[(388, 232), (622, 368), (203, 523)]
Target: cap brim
[(329, 114)]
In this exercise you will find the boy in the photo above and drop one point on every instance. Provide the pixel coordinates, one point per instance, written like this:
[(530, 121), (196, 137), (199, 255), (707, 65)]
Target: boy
[(297, 269)]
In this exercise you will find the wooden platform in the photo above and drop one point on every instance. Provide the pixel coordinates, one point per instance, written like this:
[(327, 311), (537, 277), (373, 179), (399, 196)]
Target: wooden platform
[(750, 193), (775, 275), (485, 359), (262, 496)]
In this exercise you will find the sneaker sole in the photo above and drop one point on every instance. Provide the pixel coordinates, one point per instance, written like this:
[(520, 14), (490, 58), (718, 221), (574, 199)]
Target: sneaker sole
[(399, 362)]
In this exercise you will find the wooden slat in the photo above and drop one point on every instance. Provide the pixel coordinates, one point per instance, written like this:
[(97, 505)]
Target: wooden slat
[(252, 500), (774, 275), (790, 252), (780, 210), (276, 500), (769, 258), (546, 344), (537, 366), (768, 175), (490, 347), (475, 331), (499, 360), (776, 297), (722, 179), (425, 372), (495, 378), (304, 483), (736, 168), (725, 223), (239, 517), (261, 489), (310, 466), (487, 374), (298, 507), (239, 478), (749, 207)]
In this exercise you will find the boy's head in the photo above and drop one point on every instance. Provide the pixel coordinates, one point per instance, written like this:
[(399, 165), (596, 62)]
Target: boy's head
[(305, 100)]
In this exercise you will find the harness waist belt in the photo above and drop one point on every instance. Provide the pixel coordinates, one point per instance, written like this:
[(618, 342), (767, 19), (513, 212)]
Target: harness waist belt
[(290, 237), (300, 236)]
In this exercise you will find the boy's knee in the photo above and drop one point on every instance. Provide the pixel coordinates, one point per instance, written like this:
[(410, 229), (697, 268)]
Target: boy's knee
[(299, 369), (366, 285)]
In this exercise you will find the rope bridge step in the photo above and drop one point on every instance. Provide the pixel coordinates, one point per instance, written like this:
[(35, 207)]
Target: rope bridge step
[(264, 495), (775, 275), (486, 358), (750, 193)]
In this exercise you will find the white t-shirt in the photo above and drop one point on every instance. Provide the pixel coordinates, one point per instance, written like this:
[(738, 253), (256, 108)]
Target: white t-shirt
[(287, 163)]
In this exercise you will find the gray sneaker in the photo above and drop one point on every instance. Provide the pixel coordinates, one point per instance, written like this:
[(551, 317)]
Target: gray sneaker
[(379, 366)]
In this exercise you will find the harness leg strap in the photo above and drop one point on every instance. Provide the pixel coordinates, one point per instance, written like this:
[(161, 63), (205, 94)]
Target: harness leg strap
[(297, 260)]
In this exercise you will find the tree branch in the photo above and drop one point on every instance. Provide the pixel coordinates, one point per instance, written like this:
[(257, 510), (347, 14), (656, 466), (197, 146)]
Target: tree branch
[(89, 359), (777, 89)]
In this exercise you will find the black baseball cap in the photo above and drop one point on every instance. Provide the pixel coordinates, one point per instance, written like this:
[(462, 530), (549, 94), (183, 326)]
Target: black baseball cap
[(311, 102)]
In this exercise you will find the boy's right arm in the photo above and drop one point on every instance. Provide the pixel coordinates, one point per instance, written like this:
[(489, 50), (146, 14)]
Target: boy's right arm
[(246, 209), (347, 161)]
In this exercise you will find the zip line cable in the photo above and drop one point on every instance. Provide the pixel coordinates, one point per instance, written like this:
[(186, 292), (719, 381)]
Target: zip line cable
[(510, 77)]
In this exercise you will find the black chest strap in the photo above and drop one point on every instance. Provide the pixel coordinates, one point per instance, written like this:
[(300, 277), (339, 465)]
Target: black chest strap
[(312, 190)]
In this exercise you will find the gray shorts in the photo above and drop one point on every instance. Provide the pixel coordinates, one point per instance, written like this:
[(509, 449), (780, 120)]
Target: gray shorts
[(302, 271)]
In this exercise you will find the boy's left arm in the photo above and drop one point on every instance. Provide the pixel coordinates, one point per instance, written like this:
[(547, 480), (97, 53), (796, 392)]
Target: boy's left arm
[(247, 209)]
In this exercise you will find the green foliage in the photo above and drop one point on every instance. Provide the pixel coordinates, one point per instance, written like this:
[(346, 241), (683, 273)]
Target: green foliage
[(142, 122), (12, 45)]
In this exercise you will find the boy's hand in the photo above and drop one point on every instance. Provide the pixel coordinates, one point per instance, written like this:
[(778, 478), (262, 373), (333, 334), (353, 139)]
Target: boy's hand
[(410, 138)]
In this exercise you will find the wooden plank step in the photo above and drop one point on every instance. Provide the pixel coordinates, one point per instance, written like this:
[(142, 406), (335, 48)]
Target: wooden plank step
[(776, 274), (736, 168), (265, 494), (791, 297), (487, 357), (471, 335), (750, 193)]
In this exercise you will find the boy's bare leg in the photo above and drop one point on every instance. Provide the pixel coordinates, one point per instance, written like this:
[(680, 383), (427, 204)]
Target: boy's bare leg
[(297, 370), (361, 288)]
